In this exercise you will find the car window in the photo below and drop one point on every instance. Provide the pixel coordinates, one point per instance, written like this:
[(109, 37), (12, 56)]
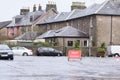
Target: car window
[(51, 49), (45, 49), (14, 48), (21, 48), (4, 47)]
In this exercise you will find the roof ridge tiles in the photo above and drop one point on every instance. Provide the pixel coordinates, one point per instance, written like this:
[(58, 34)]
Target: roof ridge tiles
[(104, 3), (70, 14), (57, 15)]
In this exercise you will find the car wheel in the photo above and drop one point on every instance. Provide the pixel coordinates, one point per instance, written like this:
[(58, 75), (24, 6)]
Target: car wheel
[(25, 54), (116, 54), (59, 55), (11, 58)]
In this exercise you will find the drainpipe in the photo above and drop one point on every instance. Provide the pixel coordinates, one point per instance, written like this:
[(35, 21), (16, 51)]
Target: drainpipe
[(111, 31), (90, 36), (64, 48)]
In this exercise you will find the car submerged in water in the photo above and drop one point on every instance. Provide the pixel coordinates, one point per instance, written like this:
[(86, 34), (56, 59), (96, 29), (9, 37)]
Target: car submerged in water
[(6, 52), (48, 51)]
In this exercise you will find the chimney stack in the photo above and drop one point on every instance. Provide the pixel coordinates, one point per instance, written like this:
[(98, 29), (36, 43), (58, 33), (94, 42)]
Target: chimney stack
[(78, 5), (39, 8), (51, 5), (24, 11), (34, 8)]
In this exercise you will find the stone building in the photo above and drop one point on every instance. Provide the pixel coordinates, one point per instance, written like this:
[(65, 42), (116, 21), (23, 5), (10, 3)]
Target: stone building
[(65, 38), (25, 22), (100, 21), (3, 30)]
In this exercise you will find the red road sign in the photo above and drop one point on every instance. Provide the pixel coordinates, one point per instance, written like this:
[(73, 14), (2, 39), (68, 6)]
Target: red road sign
[(75, 54)]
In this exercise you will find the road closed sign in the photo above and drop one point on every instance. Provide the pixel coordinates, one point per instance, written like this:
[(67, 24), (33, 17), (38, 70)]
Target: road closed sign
[(74, 54)]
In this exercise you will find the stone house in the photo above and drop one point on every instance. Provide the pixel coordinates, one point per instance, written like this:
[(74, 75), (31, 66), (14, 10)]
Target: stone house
[(68, 33), (3, 30), (65, 38), (100, 21), (25, 22)]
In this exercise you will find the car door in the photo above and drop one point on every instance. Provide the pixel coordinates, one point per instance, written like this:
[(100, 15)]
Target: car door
[(15, 50), (21, 50), (51, 52), (45, 51)]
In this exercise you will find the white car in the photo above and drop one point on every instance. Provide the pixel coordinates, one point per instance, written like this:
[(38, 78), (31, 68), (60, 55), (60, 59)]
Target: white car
[(22, 51), (113, 50)]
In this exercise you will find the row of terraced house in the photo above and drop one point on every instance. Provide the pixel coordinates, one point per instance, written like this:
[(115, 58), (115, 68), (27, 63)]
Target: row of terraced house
[(91, 26)]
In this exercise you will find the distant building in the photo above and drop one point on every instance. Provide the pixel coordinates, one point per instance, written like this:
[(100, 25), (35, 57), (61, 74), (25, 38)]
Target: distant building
[(25, 22), (3, 30)]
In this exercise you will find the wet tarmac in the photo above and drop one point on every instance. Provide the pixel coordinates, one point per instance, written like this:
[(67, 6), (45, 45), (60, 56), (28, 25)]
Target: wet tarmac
[(59, 68)]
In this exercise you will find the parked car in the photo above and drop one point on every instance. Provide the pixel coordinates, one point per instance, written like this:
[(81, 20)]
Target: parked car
[(113, 50), (48, 51), (21, 51), (6, 52)]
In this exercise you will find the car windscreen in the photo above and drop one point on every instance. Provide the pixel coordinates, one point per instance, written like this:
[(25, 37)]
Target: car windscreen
[(51, 49), (4, 47)]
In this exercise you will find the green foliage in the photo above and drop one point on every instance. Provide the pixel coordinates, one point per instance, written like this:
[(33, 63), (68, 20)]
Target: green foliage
[(102, 48), (77, 45), (46, 44)]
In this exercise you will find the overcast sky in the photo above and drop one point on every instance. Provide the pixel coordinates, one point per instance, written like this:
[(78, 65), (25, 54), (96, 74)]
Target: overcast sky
[(11, 8)]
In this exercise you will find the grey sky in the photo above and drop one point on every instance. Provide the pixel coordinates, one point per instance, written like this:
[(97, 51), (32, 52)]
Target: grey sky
[(10, 8)]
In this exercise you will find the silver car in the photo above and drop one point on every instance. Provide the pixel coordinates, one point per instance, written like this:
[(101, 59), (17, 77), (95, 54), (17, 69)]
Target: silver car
[(22, 51), (6, 52)]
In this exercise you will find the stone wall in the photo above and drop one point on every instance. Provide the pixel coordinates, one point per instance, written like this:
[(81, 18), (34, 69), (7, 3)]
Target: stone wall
[(107, 29)]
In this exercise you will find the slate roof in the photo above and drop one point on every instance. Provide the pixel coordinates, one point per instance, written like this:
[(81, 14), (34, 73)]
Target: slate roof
[(25, 19), (66, 31), (59, 17), (4, 24), (109, 7), (27, 36), (49, 33)]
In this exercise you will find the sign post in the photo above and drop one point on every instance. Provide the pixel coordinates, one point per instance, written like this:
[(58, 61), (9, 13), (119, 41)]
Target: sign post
[(74, 54)]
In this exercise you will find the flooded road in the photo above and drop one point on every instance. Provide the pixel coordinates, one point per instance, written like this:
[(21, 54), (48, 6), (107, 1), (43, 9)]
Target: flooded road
[(59, 68)]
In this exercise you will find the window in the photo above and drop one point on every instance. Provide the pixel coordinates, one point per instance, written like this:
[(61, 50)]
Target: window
[(31, 18), (85, 43), (17, 20), (51, 49), (70, 43), (11, 31)]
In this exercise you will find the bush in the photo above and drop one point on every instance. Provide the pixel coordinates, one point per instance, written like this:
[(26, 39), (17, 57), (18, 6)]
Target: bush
[(46, 44), (101, 50), (77, 45)]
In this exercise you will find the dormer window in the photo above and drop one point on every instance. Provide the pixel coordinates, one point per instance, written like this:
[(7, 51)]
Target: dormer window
[(31, 18), (17, 20)]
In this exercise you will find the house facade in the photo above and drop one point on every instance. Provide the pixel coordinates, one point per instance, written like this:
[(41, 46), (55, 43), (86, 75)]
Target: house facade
[(100, 21), (25, 22), (65, 38), (3, 30)]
